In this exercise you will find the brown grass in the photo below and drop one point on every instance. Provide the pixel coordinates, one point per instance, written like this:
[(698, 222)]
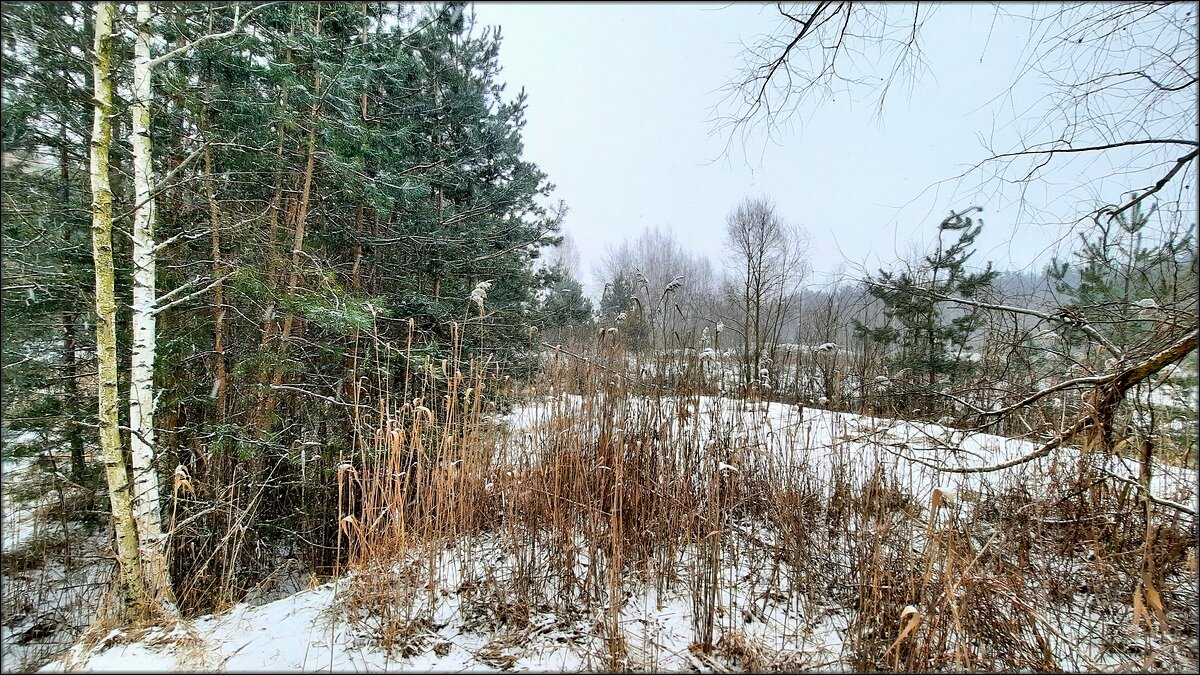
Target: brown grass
[(611, 490)]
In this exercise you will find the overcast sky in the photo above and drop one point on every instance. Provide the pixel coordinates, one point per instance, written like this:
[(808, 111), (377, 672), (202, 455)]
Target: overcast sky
[(620, 103)]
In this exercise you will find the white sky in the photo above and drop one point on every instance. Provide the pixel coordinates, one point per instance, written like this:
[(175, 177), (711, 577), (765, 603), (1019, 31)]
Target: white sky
[(620, 97)]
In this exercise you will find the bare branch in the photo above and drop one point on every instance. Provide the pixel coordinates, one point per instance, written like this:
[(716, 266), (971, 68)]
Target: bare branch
[(1141, 488), (162, 308), (1162, 182), (238, 24), (1063, 318), (1113, 390)]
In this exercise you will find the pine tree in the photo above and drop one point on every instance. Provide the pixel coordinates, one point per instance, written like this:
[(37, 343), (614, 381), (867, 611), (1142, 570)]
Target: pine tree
[(565, 306), (1126, 276), (620, 307), (927, 343), (317, 183), (47, 258)]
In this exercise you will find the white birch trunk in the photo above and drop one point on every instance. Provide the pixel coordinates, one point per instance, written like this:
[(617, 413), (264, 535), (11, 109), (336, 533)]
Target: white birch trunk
[(133, 593), (141, 383)]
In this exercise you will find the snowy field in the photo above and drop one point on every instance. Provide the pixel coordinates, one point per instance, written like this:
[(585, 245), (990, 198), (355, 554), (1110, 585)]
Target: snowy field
[(766, 615)]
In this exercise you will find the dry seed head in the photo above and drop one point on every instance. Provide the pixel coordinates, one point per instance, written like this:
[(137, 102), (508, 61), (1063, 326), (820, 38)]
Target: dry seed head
[(479, 294), (183, 480), (346, 468)]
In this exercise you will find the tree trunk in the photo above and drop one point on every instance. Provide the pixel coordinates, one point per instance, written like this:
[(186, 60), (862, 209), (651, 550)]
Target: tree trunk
[(746, 376), (141, 379), (301, 219), (132, 596), (220, 376), (298, 231), (70, 363)]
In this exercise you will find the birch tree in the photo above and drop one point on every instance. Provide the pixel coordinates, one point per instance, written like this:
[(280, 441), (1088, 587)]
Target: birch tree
[(132, 591), (141, 379), (145, 307), (417, 190)]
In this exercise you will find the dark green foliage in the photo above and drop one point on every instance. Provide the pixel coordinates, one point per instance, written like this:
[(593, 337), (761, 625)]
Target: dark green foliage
[(47, 268), (1120, 262), (418, 190), (565, 304), (620, 307), (927, 342)]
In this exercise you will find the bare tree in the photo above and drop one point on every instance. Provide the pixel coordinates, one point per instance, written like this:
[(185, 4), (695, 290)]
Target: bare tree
[(767, 265), (1123, 81), (674, 288), (566, 254)]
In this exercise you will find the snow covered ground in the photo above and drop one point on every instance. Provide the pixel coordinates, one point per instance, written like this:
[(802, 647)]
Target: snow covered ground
[(309, 632), (784, 436), (762, 620), (49, 585), (19, 524)]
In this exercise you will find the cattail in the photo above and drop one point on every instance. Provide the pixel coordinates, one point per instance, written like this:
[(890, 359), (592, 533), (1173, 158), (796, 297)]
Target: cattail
[(479, 294)]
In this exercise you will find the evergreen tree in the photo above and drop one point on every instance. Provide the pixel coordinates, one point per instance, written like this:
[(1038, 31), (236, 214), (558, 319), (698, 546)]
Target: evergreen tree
[(565, 305), (620, 307), (1127, 276), (322, 182), (927, 343), (47, 262)]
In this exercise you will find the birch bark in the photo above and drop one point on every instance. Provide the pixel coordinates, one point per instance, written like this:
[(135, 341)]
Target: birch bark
[(145, 340), (133, 601)]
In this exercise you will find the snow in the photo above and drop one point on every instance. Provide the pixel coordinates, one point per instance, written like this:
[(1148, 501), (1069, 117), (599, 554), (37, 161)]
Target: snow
[(47, 603), (761, 616), (20, 526), (309, 632), (794, 434), (22, 521)]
